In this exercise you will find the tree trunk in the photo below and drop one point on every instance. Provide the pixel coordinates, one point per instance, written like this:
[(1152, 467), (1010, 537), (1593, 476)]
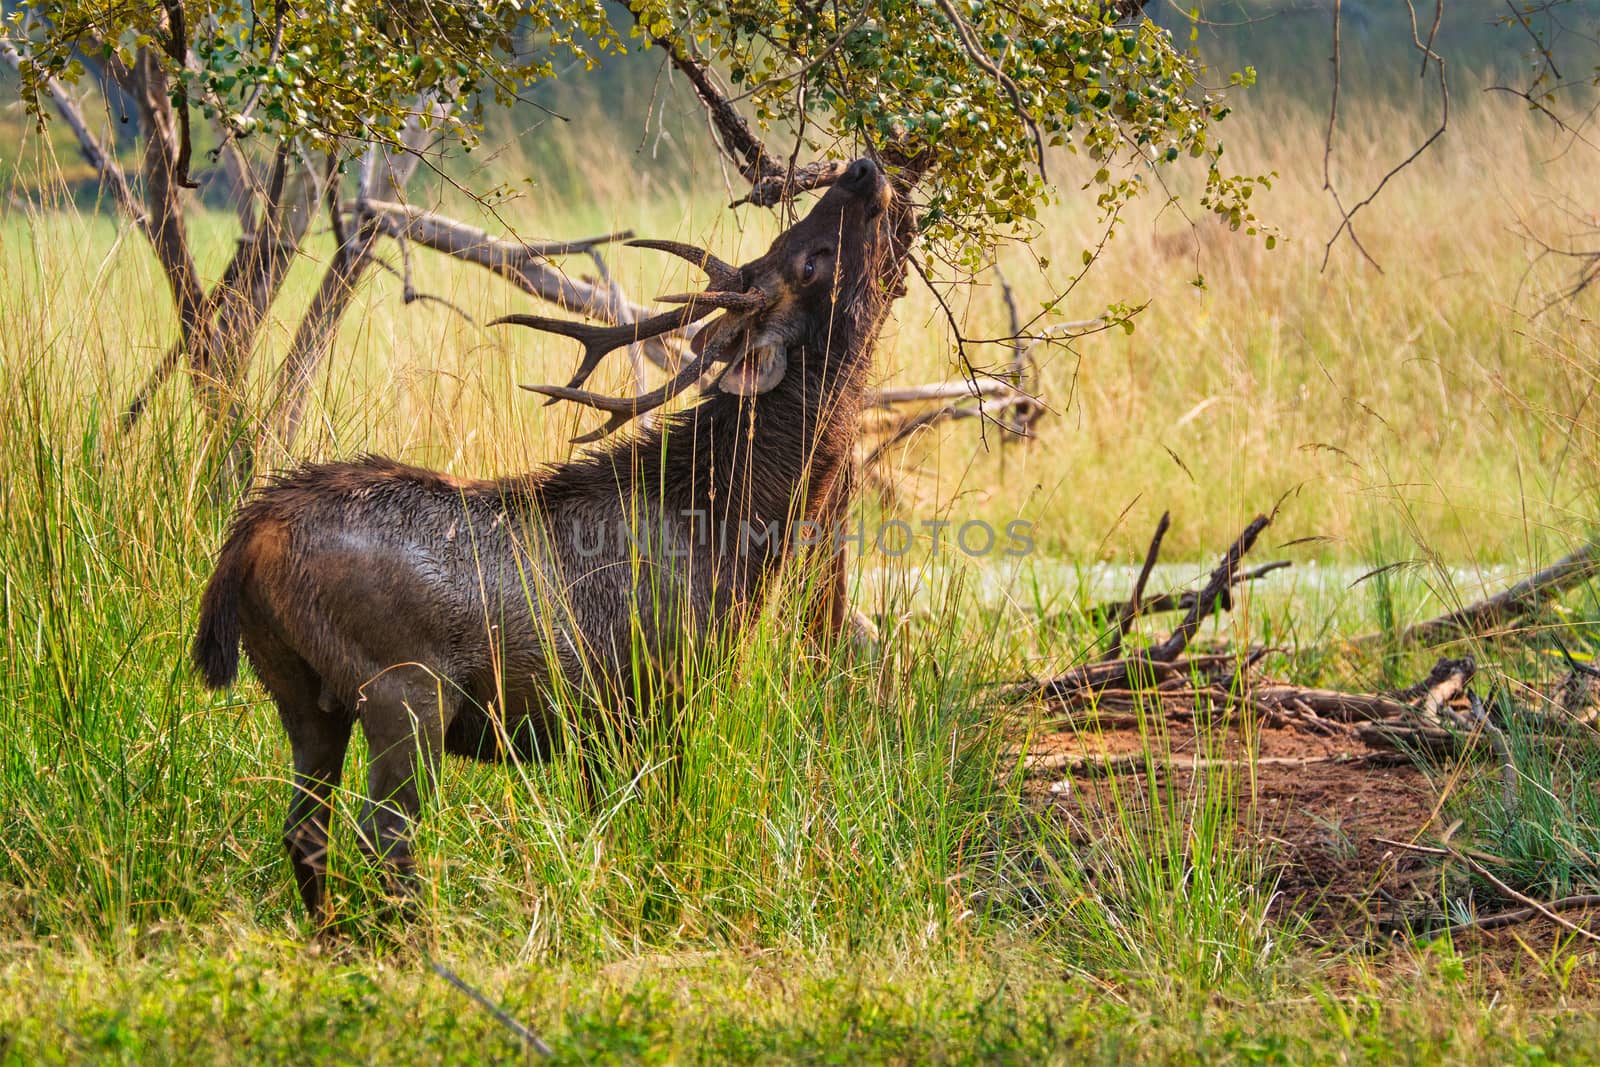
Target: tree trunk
[(383, 176), (231, 315), (146, 83)]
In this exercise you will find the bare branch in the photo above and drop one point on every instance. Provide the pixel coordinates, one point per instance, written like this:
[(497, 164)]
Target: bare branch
[(1429, 56), (523, 265), (1184, 600), (1504, 608), (1130, 610), (1221, 579), (1538, 907), (96, 155), (386, 171)]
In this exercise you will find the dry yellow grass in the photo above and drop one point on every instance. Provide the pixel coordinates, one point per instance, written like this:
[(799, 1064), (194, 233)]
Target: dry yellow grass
[(1417, 405)]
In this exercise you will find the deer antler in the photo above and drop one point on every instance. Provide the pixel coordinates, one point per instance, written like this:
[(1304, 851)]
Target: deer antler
[(625, 408), (724, 276), (599, 340), (754, 300), (726, 292)]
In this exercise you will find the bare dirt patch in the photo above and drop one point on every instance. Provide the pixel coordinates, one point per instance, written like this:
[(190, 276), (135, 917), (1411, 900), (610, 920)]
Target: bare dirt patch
[(1318, 803)]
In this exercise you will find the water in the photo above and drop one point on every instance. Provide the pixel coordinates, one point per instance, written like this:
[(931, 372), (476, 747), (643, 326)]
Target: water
[(1306, 593)]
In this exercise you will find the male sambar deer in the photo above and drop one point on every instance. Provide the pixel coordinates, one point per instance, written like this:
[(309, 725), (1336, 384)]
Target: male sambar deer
[(442, 614)]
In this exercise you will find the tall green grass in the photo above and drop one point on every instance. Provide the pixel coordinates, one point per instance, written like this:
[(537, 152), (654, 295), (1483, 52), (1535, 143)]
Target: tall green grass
[(791, 800)]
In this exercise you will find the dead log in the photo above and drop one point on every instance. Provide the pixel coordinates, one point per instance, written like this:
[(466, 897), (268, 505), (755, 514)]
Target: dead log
[(1331, 704), (1079, 765), (1492, 616)]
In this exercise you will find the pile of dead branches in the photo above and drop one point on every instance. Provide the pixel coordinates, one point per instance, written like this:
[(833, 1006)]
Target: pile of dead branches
[(1439, 715)]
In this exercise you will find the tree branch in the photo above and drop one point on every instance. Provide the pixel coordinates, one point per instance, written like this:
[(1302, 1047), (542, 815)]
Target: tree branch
[(974, 49), (738, 141), (1509, 605), (523, 265), (88, 145)]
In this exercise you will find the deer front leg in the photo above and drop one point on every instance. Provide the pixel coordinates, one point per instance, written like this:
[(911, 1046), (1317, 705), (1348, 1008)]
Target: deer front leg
[(831, 616)]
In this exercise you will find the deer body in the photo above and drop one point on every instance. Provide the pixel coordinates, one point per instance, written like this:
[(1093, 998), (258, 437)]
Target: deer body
[(443, 615)]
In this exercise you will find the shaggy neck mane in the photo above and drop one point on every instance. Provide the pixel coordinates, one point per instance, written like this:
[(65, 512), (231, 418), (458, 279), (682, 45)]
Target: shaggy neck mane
[(759, 459)]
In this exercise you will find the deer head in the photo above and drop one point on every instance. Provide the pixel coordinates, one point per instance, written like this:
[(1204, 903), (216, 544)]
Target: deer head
[(813, 278)]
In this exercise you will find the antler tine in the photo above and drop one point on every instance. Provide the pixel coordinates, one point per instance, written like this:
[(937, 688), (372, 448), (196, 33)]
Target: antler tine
[(623, 409), (723, 275), (754, 300), (599, 340)]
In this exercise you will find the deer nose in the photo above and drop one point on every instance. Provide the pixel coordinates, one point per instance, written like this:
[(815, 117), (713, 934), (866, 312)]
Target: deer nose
[(862, 177)]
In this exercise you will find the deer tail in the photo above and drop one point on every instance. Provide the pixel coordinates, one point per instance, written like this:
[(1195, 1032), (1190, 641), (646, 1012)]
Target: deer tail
[(216, 643)]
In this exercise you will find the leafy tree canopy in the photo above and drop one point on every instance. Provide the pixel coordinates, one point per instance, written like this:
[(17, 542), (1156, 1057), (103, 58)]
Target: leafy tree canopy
[(965, 95)]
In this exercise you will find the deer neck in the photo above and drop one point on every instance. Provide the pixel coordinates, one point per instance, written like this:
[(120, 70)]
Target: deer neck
[(764, 459)]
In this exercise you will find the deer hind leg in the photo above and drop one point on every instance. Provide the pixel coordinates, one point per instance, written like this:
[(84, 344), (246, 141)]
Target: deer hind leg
[(319, 734), (405, 712)]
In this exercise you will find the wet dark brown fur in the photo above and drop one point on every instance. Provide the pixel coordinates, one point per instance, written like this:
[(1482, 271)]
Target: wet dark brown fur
[(441, 614)]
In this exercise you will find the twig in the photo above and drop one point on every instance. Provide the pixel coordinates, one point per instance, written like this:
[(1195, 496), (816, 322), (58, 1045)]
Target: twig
[(1347, 218), (1130, 610), (1582, 902), (1221, 579), (734, 135), (1509, 778), (501, 1016), (821, 58), (103, 161), (1524, 899), (993, 409), (1538, 907), (1184, 600), (974, 49), (962, 390), (408, 292), (1019, 351)]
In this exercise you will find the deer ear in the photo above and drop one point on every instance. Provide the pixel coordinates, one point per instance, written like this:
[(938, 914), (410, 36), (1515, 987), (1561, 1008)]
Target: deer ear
[(757, 371)]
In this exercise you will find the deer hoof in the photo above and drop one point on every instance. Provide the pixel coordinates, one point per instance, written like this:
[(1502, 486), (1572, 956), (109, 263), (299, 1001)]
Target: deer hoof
[(864, 635)]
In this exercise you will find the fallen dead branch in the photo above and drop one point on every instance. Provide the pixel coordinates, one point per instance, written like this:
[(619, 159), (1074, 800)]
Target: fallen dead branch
[(1183, 600), (1438, 716), (1160, 661), (1499, 614), (1536, 907), (1582, 902), (1138, 762), (1128, 613)]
